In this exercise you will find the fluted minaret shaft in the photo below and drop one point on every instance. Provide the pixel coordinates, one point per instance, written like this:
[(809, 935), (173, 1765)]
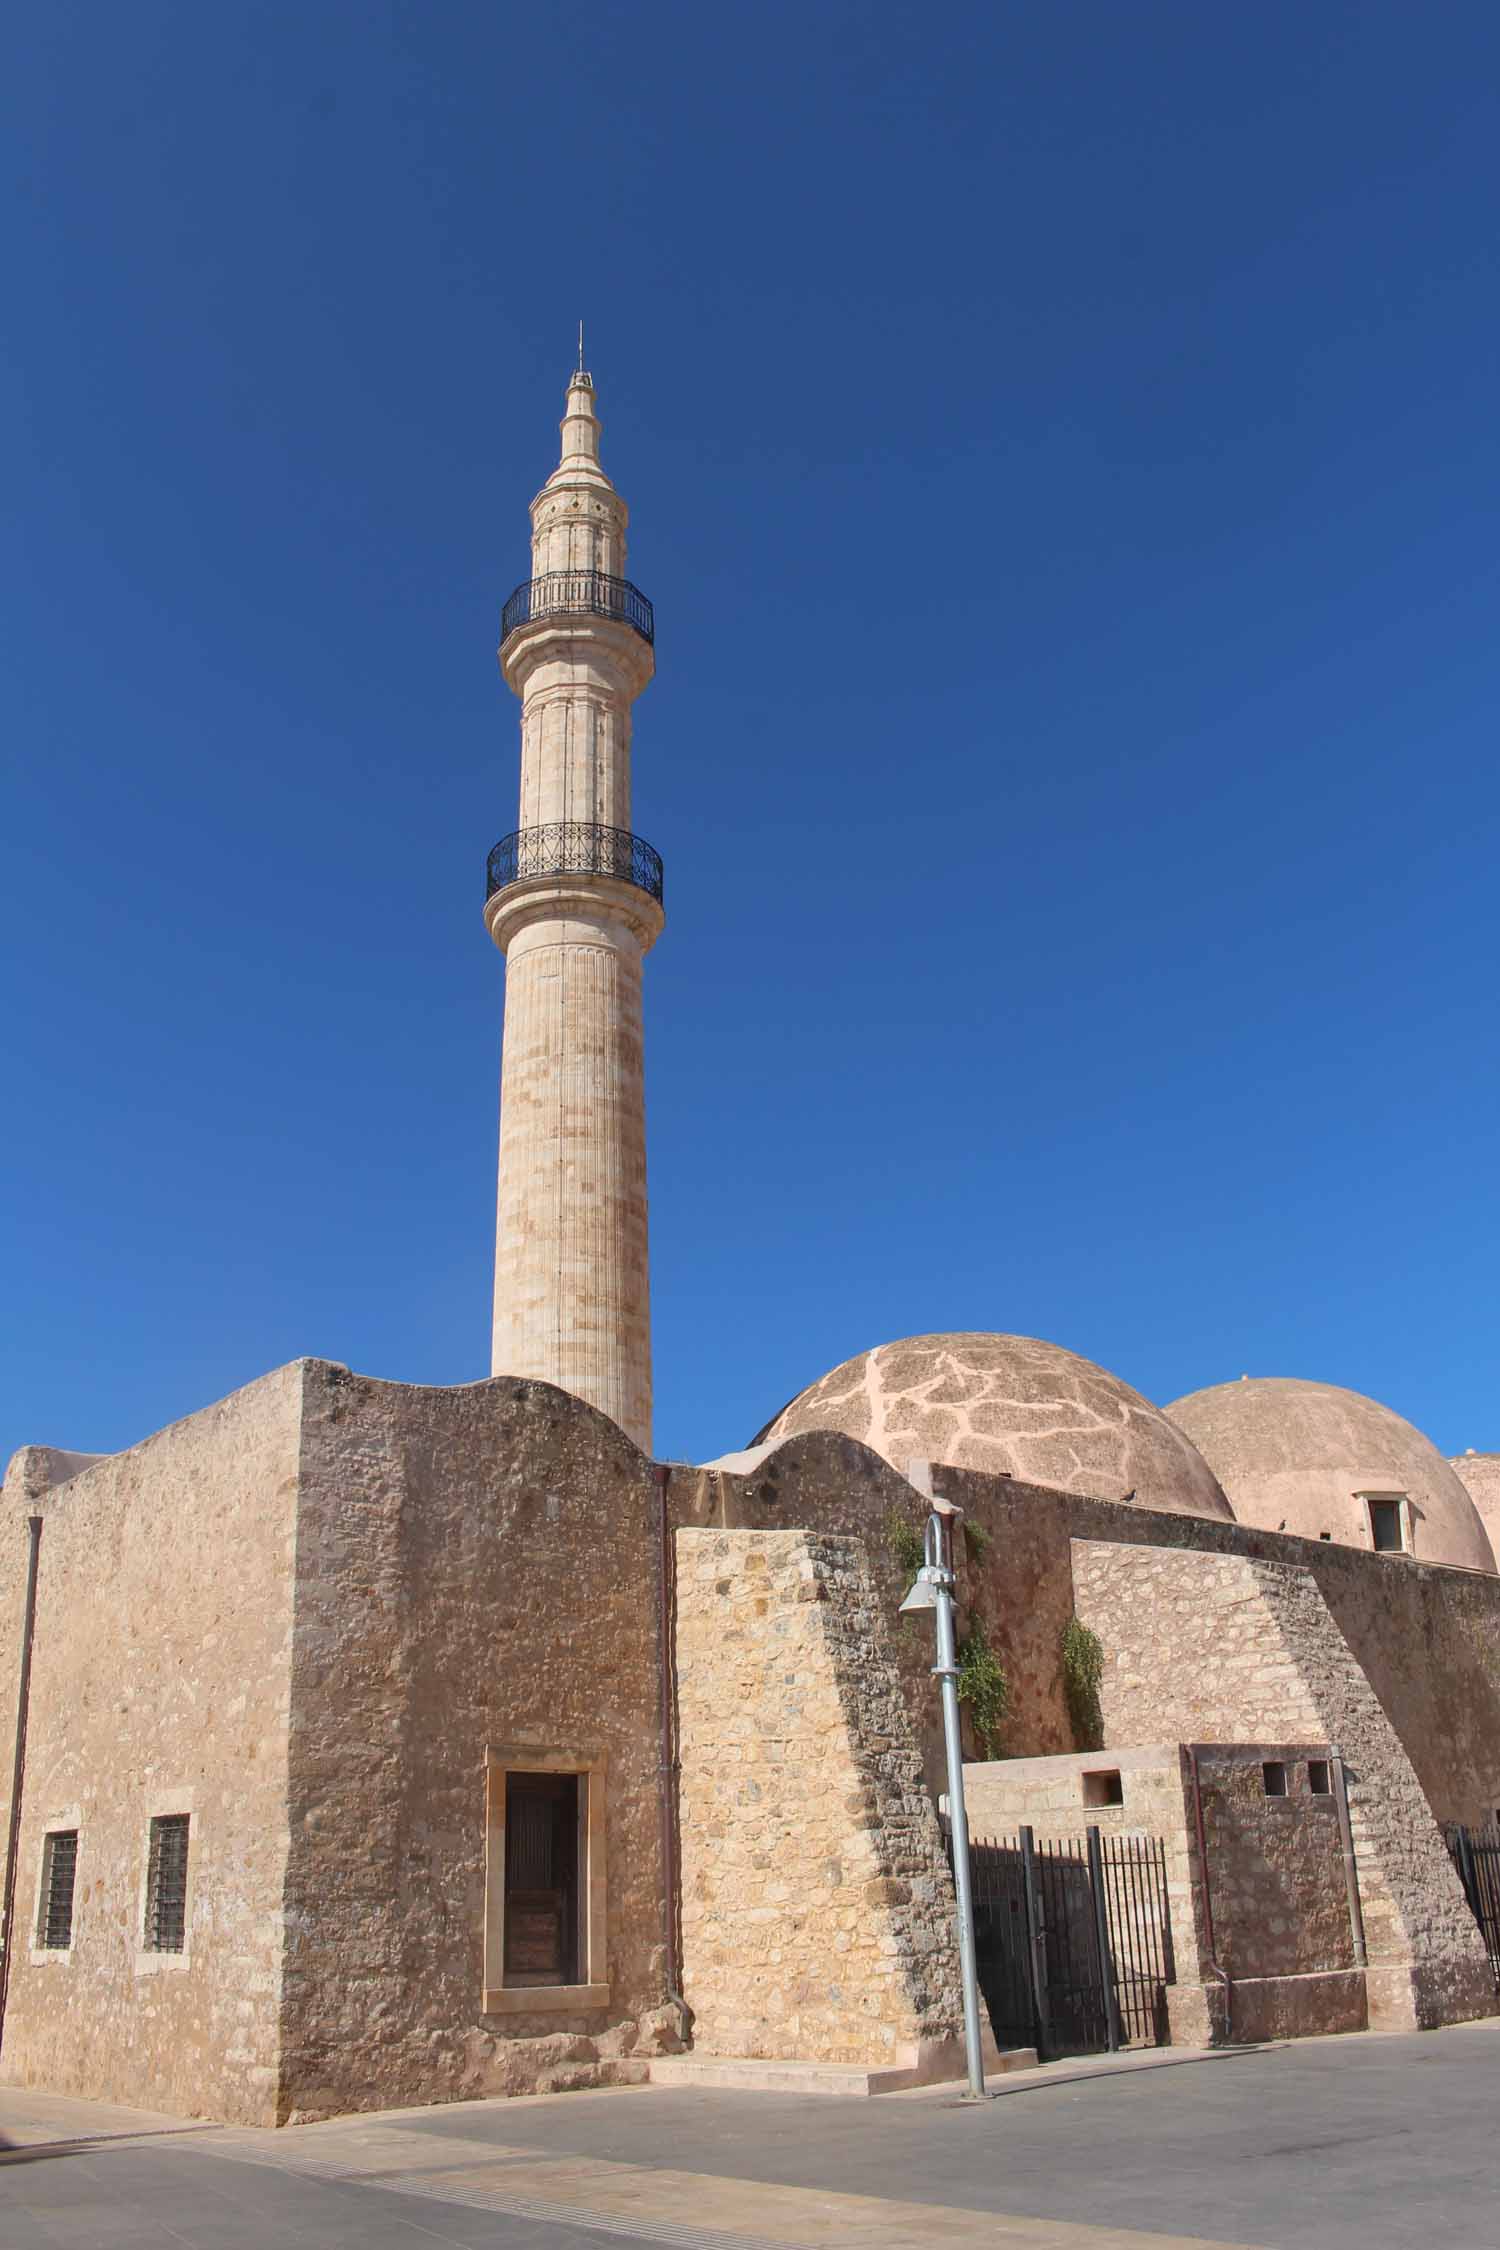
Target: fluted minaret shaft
[(575, 905)]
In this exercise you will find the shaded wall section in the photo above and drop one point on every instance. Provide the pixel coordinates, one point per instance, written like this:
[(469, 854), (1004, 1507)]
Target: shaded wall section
[(475, 1567)]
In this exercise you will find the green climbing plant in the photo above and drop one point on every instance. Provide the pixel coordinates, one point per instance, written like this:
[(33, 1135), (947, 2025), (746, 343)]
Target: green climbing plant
[(983, 1686), (1082, 1671), (980, 1541), (904, 1541)]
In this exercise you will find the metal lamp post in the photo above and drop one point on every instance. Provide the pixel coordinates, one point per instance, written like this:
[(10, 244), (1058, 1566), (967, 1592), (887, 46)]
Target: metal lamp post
[(932, 1590)]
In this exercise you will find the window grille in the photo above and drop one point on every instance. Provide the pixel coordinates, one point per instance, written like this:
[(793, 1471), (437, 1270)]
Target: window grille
[(541, 1878), (166, 1884), (59, 1869)]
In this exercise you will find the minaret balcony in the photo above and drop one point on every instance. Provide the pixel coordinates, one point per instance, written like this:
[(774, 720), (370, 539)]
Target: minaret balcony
[(575, 847), (578, 593)]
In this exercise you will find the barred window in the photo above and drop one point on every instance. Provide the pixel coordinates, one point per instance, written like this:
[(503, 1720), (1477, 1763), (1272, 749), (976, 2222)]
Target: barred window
[(542, 1897), (546, 1881), (166, 1884), (59, 1869)]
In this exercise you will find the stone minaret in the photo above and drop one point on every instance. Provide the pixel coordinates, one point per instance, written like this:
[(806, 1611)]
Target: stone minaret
[(574, 903)]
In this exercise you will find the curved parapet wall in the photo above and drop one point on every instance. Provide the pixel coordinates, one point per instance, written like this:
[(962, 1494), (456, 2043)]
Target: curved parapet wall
[(1310, 1459)]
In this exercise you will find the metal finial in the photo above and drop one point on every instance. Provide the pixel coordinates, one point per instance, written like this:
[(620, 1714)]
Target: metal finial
[(580, 347)]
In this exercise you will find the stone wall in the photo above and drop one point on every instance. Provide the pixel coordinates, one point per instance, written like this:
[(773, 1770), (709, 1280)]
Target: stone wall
[(310, 1614), (1280, 1906), (475, 1567), (1223, 1647), (1427, 1638), (834, 1485), (817, 1912), (1275, 1864), (160, 1683), (1047, 1794)]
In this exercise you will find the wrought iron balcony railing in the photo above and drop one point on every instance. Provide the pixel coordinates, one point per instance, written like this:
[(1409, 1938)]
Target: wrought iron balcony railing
[(578, 593), (575, 847)]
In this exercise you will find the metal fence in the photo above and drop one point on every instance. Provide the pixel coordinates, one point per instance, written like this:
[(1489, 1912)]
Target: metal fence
[(1135, 1876), (1476, 1858), (574, 847), (578, 593), (1074, 1940)]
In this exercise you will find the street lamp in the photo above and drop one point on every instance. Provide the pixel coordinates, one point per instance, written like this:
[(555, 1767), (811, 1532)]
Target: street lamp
[(932, 1589)]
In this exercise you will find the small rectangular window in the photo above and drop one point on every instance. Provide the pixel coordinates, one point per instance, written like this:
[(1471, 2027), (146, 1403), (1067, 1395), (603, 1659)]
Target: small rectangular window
[(59, 1870), (1273, 1774), (1319, 1781), (166, 1884), (1387, 1531), (541, 1878), (1103, 1789)]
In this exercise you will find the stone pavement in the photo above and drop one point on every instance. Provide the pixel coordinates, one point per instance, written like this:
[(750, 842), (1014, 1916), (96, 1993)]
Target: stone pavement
[(1340, 2144)]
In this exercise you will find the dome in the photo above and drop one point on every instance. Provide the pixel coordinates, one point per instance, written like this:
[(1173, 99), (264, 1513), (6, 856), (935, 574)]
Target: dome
[(1312, 1459), (1009, 1406), (1479, 1474)]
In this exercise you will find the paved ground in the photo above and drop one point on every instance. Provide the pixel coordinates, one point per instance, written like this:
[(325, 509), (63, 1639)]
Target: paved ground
[(1351, 2144)]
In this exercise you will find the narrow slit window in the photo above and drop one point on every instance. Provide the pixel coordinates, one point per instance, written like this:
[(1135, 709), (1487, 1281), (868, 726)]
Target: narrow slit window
[(166, 1884), (59, 1872), (1273, 1776), (1319, 1780)]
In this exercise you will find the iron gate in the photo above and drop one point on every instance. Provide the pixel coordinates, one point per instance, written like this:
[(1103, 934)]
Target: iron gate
[(1476, 1857), (1073, 1939)]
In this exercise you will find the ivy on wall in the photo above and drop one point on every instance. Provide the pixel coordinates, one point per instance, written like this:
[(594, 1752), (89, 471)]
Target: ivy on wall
[(983, 1686), (1082, 1671), (904, 1542)]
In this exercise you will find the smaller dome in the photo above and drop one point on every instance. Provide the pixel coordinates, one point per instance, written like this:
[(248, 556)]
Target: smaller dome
[(1479, 1474), (1318, 1461), (1010, 1406)]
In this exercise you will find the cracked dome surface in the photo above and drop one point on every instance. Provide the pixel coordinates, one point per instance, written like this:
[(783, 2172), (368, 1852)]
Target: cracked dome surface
[(1013, 1406)]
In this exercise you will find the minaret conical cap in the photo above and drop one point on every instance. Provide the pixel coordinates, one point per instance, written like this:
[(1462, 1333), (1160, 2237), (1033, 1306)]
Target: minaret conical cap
[(580, 424)]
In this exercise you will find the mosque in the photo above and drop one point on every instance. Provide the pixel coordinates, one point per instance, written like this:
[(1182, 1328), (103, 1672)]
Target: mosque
[(380, 1744)]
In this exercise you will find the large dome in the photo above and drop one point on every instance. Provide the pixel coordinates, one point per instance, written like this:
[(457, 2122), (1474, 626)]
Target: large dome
[(1309, 1458), (1012, 1407)]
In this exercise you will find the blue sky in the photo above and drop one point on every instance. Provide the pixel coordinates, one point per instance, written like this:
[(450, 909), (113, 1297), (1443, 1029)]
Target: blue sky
[(1062, 450)]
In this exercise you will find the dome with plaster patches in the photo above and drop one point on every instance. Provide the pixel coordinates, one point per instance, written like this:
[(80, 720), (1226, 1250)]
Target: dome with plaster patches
[(1010, 1406), (1332, 1464)]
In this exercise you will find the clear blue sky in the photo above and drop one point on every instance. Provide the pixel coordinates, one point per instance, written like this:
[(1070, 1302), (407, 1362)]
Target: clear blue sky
[(1062, 449)]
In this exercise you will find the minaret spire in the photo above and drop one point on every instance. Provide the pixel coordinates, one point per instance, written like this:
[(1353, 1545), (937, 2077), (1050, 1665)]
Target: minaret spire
[(574, 903)]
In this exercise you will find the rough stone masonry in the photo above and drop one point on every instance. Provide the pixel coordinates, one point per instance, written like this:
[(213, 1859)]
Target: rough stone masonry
[(817, 1914)]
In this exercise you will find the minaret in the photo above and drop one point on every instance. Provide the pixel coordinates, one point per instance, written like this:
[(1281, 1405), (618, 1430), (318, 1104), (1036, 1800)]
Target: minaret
[(574, 903)]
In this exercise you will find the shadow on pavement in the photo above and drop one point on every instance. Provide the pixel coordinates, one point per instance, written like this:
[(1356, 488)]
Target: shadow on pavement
[(1004, 2093), (36, 2152)]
